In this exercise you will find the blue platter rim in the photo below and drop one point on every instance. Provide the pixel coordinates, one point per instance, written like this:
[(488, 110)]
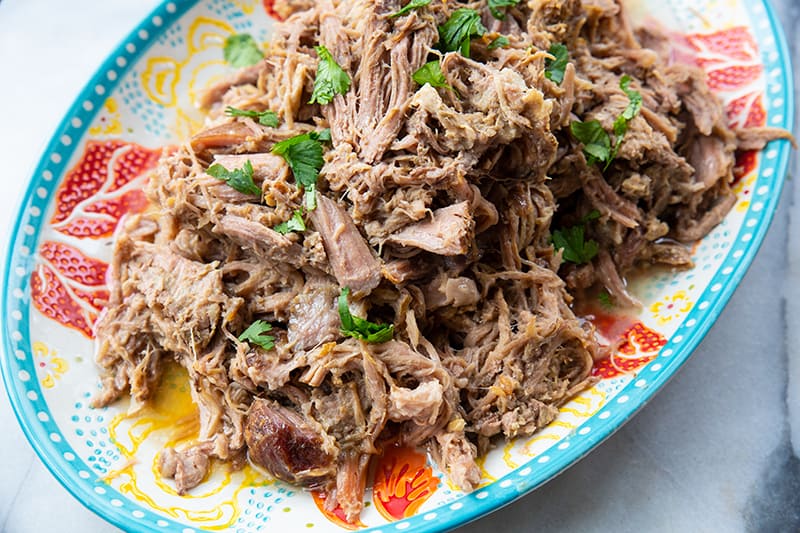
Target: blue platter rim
[(102, 499)]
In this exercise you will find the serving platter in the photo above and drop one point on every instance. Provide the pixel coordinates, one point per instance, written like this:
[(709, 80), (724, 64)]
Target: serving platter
[(141, 99)]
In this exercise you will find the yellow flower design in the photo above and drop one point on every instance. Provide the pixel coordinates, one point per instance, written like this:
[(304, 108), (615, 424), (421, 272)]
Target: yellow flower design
[(108, 122), (166, 79), (743, 192), (671, 307), (49, 366)]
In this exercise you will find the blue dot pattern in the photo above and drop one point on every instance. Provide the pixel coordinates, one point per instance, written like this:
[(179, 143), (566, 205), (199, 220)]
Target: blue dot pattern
[(730, 248)]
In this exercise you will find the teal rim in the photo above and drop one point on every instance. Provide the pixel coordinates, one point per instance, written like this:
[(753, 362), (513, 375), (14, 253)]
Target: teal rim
[(83, 483)]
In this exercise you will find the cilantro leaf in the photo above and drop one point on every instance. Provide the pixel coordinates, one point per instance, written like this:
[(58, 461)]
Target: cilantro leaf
[(575, 248), (431, 72), (635, 97), (303, 154), (358, 328), (594, 214), (605, 300), (596, 142), (265, 118), (240, 179), (296, 223), (241, 50), (495, 5), (554, 68), (413, 4), (331, 78), (499, 42), (257, 334), (463, 25), (633, 109)]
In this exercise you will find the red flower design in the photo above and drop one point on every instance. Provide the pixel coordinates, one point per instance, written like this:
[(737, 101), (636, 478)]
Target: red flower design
[(69, 287), (269, 7), (638, 346), (730, 57), (104, 185), (747, 111), (403, 482)]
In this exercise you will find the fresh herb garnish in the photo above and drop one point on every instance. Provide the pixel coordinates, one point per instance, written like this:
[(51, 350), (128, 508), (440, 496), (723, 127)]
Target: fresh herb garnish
[(303, 154), (496, 5), (499, 42), (554, 68), (241, 50), (296, 223), (431, 72), (257, 334), (240, 179), (413, 4), (265, 118), (594, 214), (462, 26), (605, 300), (633, 109), (596, 141), (358, 328), (576, 249), (331, 78)]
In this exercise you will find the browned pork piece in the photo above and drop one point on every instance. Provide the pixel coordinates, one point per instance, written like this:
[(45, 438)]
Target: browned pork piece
[(436, 207)]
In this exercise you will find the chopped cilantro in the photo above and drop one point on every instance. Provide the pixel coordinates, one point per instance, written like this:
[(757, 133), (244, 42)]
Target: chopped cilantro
[(575, 248), (431, 72), (296, 223), (554, 68), (257, 334), (596, 141), (240, 179), (358, 328), (633, 109), (265, 118), (241, 50), (495, 5), (413, 4), (303, 154), (462, 26), (605, 300), (331, 78), (499, 42)]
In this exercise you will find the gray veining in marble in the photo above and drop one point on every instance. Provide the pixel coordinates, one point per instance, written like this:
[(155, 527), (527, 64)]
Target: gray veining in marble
[(716, 450)]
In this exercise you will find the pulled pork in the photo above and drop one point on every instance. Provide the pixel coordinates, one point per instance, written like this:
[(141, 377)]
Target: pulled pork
[(435, 207)]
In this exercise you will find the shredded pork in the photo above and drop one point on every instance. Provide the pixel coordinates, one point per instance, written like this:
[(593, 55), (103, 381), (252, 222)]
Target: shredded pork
[(436, 207)]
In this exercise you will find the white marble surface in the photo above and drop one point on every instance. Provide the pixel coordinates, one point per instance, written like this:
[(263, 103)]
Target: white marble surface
[(714, 451)]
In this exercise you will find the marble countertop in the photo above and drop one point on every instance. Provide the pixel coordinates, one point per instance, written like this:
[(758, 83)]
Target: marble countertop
[(716, 450)]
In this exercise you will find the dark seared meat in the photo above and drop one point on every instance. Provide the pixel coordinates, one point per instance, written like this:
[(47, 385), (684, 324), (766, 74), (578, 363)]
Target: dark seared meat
[(285, 444)]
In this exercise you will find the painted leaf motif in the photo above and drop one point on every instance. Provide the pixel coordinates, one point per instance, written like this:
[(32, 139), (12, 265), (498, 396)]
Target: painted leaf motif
[(105, 184), (730, 57), (403, 482), (638, 346), (734, 43), (747, 111), (69, 287)]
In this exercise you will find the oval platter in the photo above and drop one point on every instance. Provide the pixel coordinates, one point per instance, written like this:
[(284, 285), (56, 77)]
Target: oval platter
[(142, 98)]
